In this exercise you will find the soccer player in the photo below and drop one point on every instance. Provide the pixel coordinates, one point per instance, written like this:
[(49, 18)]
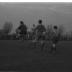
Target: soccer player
[(40, 30), (55, 39), (22, 30)]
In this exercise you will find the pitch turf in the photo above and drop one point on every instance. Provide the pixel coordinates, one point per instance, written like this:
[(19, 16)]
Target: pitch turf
[(18, 55)]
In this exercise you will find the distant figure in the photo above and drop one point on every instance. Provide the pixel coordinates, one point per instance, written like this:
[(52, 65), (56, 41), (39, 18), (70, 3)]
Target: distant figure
[(55, 39), (22, 29), (40, 30)]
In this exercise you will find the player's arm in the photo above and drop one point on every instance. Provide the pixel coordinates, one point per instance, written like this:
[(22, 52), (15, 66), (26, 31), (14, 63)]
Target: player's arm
[(44, 28), (19, 27)]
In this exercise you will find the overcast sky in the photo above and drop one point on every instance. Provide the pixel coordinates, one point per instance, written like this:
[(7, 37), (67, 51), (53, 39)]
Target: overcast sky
[(50, 13)]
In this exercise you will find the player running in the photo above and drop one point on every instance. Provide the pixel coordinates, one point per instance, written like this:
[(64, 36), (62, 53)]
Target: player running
[(55, 39), (40, 30)]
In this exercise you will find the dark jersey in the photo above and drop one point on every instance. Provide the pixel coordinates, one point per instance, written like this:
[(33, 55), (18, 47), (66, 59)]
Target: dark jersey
[(40, 28), (56, 38), (22, 28), (39, 31)]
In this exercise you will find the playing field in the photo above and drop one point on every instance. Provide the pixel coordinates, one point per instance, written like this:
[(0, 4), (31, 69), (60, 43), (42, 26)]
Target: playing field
[(22, 56)]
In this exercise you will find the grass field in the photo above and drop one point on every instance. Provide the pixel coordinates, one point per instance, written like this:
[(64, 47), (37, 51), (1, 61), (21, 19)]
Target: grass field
[(22, 56)]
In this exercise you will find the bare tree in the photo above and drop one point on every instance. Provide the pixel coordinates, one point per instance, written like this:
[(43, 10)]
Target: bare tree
[(61, 30), (7, 27)]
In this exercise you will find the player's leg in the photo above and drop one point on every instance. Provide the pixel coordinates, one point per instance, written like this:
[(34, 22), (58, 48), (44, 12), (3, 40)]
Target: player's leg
[(53, 45), (17, 34), (24, 35), (21, 36), (42, 42), (35, 40), (54, 48)]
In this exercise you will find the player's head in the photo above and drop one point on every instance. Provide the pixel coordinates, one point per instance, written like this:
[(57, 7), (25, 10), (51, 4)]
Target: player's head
[(55, 27), (40, 21), (21, 22)]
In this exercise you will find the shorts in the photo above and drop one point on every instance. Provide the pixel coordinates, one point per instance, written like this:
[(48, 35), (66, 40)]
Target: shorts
[(23, 33), (55, 40)]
